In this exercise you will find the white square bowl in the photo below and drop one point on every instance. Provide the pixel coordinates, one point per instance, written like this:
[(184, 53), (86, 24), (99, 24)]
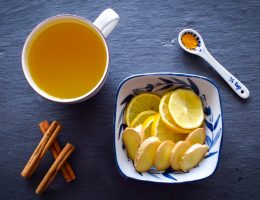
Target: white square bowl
[(161, 83)]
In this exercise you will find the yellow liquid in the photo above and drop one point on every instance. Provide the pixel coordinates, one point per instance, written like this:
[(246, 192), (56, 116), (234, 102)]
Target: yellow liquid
[(67, 60), (189, 41)]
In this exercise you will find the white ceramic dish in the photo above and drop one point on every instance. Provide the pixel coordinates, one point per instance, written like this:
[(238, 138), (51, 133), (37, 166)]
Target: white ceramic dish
[(160, 83)]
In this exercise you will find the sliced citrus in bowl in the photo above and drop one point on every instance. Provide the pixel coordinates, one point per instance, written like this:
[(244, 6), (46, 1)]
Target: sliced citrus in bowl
[(141, 117), (186, 109), (166, 115), (140, 103), (160, 130)]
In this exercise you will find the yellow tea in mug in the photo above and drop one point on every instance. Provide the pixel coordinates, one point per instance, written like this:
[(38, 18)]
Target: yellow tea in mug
[(67, 59)]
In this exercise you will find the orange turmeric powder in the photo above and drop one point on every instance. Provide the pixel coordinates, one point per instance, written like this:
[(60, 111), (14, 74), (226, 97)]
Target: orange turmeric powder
[(189, 41)]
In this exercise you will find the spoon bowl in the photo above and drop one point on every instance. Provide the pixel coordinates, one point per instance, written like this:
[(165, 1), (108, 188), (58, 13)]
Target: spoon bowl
[(198, 37)]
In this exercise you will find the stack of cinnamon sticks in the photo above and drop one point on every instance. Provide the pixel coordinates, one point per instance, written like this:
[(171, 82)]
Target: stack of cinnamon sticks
[(47, 142)]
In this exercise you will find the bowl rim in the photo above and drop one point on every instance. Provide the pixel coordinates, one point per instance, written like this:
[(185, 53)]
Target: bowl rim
[(165, 74)]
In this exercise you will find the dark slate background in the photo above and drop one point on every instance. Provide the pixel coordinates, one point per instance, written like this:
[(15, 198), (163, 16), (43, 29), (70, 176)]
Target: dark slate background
[(144, 41)]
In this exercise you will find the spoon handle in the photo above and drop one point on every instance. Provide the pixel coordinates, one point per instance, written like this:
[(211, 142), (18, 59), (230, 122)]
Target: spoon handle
[(231, 80)]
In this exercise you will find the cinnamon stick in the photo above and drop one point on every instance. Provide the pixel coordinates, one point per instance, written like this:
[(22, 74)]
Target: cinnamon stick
[(41, 149), (56, 166), (66, 170)]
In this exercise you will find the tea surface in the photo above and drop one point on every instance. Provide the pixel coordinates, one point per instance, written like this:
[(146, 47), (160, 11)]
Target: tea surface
[(67, 60)]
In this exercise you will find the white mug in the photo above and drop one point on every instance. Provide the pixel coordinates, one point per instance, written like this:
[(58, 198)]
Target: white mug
[(103, 25)]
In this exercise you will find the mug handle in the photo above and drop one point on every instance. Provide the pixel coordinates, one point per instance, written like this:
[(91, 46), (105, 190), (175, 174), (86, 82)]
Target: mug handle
[(107, 21)]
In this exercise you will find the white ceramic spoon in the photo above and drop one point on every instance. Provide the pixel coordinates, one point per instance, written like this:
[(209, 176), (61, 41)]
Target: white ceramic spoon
[(202, 51)]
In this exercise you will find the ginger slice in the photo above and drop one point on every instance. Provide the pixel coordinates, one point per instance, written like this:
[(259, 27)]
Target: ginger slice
[(197, 136), (146, 153), (193, 156), (177, 152), (163, 153), (132, 139)]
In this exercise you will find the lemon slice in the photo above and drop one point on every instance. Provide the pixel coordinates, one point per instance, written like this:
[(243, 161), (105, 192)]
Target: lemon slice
[(147, 126), (140, 103), (141, 117), (160, 130), (186, 109), (166, 115)]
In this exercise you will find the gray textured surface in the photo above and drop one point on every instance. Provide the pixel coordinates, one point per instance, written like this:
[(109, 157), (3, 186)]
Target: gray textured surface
[(144, 41)]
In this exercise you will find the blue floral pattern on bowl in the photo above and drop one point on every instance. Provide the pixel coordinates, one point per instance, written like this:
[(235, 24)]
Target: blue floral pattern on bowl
[(160, 84)]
